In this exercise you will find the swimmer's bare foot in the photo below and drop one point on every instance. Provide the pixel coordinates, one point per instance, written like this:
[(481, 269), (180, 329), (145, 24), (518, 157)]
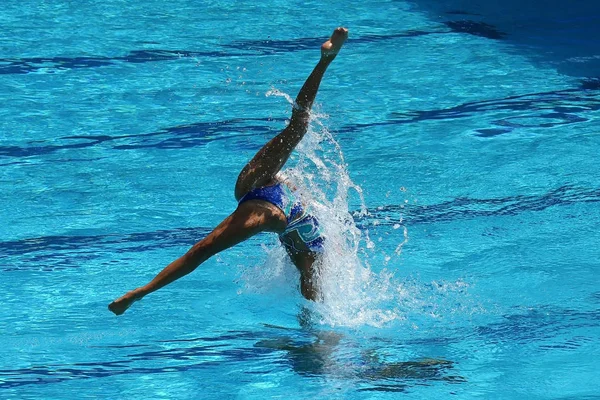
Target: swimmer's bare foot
[(123, 303), (330, 48)]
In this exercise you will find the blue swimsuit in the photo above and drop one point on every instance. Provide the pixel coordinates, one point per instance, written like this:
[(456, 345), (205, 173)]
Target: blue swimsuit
[(298, 219)]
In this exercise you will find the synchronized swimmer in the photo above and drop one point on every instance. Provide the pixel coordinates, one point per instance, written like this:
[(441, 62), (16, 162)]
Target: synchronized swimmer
[(265, 201)]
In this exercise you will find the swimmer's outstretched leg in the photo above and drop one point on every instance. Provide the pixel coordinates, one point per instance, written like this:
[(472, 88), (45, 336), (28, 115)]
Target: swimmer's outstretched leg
[(261, 170), (250, 218), (254, 216)]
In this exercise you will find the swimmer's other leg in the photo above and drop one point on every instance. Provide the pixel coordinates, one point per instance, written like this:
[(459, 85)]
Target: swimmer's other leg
[(250, 218), (261, 170)]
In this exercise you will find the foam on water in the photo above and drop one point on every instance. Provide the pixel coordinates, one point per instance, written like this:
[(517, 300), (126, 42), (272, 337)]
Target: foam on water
[(353, 293)]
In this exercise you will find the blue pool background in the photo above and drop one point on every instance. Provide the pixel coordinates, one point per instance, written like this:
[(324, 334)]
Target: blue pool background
[(123, 126)]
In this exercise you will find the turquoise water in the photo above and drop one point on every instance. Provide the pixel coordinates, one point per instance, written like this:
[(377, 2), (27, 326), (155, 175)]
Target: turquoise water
[(471, 133)]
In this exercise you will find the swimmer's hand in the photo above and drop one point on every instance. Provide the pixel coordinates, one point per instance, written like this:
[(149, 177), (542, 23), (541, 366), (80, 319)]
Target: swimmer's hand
[(123, 303)]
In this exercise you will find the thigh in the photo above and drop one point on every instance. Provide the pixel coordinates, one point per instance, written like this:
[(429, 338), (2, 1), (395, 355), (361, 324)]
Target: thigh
[(251, 217)]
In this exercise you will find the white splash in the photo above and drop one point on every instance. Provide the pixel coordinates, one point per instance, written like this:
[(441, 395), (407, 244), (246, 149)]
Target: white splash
[(352, 293)]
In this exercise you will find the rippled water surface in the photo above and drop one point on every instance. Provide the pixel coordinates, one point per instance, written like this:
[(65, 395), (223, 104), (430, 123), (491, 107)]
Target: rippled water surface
[(452, 159)]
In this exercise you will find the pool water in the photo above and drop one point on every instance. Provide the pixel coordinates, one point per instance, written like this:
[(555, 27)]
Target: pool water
[(452, 159)]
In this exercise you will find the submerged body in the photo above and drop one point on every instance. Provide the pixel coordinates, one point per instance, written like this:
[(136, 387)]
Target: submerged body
[(265, 202)]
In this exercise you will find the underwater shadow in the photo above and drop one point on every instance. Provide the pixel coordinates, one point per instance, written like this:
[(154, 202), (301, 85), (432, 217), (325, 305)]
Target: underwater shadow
[(323, 356)]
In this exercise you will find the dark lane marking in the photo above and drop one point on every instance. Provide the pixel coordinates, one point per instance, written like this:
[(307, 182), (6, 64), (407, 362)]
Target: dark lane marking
[(268, 46), (190, 358), (476, 28), (550, 108), (461, 12), (249, 48), (183, 136), (491, 132), (306, 356), (538, 325), (469, 208), (590, 83), (174, 237), (549, 328), (51, 253), (33, 64)]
